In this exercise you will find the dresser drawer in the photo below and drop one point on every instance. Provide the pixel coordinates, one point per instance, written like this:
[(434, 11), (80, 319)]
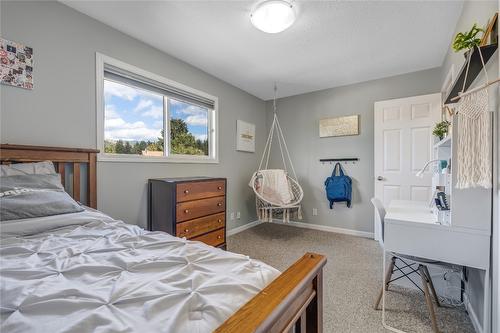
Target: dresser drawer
[(199, 190), (200, 226), (215, 238), (192, 209)]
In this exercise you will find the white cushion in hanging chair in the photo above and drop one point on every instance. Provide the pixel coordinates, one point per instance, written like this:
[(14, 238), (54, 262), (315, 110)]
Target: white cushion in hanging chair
[(273, 186)]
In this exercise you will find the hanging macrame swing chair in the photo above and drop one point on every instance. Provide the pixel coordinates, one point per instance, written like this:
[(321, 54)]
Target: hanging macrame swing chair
[(277, 193)]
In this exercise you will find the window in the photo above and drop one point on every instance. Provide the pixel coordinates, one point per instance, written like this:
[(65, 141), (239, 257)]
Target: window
[(148, 118), (188, 128)]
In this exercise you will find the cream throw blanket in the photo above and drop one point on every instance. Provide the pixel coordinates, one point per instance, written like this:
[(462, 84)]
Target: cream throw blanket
[(273, 185)]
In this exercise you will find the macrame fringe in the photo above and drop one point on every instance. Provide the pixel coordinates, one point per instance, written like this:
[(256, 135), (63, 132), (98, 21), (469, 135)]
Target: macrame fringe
[(474, 146), (266, 214)]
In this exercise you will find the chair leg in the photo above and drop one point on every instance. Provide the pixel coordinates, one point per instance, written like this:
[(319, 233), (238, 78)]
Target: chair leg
[(379, 297), (428, 300), (431, 285), (388, 275)]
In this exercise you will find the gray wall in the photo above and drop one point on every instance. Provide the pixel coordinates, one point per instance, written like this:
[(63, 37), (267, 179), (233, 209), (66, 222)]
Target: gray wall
[(299, 117), (60, 110), (496, 219), (475, 12)]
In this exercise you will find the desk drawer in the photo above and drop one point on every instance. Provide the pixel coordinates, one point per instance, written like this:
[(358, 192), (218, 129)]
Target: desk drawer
[(200, 226), (215, 238), (200, 190), (193, 209)]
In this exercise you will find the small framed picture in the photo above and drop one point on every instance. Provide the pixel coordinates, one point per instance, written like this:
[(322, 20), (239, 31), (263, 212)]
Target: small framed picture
[(245, 136), (16, 64)]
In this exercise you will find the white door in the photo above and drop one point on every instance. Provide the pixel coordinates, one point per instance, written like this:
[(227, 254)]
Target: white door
[(403, 143)]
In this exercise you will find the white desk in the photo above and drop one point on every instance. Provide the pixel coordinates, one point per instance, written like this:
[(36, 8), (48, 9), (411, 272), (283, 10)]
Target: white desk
[(411, 228)]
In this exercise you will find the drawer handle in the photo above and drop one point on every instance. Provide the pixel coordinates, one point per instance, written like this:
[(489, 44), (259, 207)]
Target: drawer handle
[(186, 211), (219, 237), (219, 204), (186, 230), (219, 220), (219, 188), (186, 191)]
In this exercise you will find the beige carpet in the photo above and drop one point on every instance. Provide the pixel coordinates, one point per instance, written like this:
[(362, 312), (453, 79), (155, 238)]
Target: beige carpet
[(352, 277)]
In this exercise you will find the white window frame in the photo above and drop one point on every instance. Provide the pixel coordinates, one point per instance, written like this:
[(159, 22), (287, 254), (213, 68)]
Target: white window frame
[(213, 120)]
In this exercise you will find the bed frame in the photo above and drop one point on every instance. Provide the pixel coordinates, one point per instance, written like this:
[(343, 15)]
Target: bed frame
[(62, 157), (293, 302)]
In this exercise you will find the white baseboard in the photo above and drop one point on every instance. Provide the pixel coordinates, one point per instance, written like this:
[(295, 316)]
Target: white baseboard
[(306, 226), (327, 228), (244, 227), (472, 315)]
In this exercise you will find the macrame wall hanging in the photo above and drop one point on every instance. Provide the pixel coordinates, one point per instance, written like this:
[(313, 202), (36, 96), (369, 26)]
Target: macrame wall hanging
[(474, 151)]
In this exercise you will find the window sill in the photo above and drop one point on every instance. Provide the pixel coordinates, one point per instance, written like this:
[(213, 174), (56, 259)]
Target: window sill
[(151, 159)]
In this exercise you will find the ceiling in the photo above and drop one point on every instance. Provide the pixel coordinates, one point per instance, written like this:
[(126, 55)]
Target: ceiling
[(332, 43)]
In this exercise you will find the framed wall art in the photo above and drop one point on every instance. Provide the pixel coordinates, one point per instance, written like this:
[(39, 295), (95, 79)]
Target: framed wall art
[(339, 126), (245, 136), (16, 64)]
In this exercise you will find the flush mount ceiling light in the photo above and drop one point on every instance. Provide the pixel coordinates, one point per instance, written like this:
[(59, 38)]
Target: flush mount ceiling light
[(273, 16)]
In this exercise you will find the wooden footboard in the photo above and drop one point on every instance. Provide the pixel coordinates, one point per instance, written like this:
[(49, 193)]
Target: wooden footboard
[(292, 300)]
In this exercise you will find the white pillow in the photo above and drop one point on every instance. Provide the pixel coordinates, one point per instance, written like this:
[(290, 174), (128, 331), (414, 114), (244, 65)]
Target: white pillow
[(39, 168)]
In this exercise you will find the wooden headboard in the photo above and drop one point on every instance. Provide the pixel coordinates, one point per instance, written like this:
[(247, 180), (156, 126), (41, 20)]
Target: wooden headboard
[(61, 157)]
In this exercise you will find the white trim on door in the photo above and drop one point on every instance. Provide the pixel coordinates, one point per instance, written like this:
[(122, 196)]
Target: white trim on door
[(403, 143)]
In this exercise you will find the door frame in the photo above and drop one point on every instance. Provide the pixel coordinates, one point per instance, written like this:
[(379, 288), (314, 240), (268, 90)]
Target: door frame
[(376, 108)]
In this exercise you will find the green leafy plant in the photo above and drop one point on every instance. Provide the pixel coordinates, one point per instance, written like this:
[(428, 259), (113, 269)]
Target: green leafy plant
[(467, 40), (441, 129)]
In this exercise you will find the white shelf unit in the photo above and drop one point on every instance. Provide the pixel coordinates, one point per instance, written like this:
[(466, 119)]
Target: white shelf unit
[(443, 181), (469, 217), (446, 142)]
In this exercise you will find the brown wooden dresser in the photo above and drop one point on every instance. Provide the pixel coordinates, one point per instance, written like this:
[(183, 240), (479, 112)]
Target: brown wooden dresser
[(191, 207)]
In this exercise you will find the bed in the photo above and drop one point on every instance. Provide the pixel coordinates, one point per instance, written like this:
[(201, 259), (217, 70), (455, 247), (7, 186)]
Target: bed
[(86, 272)]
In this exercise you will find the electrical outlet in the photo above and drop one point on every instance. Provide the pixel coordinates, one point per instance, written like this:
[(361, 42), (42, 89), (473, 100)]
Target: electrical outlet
[(238, 215), (315, 211), (231, 216)]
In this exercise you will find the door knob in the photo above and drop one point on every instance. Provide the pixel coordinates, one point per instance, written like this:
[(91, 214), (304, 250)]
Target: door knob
[(380, 178)]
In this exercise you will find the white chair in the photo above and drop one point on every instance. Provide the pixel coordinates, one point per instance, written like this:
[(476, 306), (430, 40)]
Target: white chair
[(415, 265)]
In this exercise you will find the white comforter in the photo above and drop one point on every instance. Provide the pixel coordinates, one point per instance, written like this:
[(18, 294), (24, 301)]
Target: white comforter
[(86, 272)]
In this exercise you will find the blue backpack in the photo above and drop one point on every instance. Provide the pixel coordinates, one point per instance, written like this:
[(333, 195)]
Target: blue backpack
[(338, 188)]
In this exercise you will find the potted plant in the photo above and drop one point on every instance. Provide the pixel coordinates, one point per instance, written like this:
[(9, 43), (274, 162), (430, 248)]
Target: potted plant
[(441, 129), (467, 40)]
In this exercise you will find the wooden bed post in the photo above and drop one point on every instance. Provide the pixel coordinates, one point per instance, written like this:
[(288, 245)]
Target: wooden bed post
[(92, 181), (314, 313), (293, 299)]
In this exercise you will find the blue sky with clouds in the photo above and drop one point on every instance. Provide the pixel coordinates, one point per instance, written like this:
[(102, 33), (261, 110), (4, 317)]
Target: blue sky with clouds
[(195, 116), (133, 114)]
